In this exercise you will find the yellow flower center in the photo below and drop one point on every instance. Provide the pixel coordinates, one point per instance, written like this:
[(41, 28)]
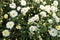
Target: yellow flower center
[(10, 24)]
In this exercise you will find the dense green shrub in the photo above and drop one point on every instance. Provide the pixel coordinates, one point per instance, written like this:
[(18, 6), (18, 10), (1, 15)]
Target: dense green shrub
[(29, 19)]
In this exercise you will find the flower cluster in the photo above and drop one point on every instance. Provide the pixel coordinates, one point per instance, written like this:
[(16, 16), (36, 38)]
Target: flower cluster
[(30, 20)]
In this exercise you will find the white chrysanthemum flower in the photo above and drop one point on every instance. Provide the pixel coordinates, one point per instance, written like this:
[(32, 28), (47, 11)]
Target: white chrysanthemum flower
[(36, 18), (54, 9), (24, 10), (50, 21), (43, 14), (10, 24), (55, 3), (42, 7), (53, 32), (53, 15), (28, 7), (18, 8), (47, 8), (5, 33), (33, 28), (23, 2), (30, 20), (33, 19), (13, 13), (38, 1), (57, 19), (44, 2), (12, 5), (40, 38)]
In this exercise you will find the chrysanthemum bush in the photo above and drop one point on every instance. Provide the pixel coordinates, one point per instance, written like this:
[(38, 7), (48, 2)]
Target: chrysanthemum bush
[(29, 20)]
